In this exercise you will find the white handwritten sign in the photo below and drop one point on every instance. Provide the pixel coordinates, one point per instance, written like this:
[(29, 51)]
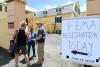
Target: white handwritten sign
[(81, 40)]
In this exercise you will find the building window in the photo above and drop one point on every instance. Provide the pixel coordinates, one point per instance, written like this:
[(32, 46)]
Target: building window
[(77, 9), (44, 13), (5, 8), (0, 7), (58, 10), (11, 25), (58, 19), (34, 14)]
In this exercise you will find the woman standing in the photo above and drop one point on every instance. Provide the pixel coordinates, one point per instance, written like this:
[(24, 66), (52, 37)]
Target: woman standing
[(20, 38)]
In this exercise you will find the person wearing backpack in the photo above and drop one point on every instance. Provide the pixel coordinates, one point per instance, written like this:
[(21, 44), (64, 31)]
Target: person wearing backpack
[(31, 42), (20, 38)]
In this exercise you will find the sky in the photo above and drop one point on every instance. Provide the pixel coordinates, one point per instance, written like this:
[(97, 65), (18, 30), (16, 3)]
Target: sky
[(48, 4), (1, 1), (40, 5)]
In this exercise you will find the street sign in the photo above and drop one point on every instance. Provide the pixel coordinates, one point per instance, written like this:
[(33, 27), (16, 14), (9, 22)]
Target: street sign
[(81, 40)]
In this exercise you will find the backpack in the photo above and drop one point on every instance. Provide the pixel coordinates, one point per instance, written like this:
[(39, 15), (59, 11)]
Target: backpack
[(12, 47)]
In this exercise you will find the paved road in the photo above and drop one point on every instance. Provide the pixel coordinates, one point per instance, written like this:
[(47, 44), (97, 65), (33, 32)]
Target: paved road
[(52, 54), (52, 51)]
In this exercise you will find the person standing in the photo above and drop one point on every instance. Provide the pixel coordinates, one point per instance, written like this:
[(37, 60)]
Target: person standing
[(40, 39), (31, 42), (20, 37)]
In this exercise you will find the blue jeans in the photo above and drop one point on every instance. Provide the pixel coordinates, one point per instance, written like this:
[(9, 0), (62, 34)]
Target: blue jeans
[(31, 43)]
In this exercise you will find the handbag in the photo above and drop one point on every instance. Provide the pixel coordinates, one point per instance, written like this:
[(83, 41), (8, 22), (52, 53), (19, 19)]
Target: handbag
[(12, 48)]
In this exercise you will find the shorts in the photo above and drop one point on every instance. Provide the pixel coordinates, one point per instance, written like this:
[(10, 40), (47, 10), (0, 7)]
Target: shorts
[(22, 48)]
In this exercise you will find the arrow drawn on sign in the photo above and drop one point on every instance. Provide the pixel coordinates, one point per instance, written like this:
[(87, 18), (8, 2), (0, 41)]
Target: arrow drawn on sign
[(76, 52)]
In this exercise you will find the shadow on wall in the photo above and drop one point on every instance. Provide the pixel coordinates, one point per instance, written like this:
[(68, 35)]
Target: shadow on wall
[(4, 56)]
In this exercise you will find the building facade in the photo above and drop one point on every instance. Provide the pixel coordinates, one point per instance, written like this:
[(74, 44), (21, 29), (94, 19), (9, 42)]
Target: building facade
[(16, 14), (4, 38), (10, 16), (52, 18), (3, 9), (83, 13), (92, 7)]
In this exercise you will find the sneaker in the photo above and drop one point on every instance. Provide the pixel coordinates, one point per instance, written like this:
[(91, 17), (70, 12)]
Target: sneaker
[(34, 56), (23, 61)]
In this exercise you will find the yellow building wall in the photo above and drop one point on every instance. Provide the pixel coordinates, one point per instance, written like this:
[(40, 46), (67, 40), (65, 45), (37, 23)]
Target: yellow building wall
[(32, 20), (4, 38), (3, 14), (83, 13), (30, 17), (49, 21)]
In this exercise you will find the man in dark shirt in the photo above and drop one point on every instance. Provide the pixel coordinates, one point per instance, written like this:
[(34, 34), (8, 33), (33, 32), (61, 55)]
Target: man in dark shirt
[(40, 39)]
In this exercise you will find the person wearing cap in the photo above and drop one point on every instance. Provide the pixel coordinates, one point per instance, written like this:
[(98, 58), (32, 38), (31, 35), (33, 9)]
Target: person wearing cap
[(20, 37), (40, 39)]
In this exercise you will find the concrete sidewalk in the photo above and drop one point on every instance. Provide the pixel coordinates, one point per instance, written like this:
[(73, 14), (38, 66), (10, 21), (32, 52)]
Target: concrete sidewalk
[(52, 54), (52, 51)]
